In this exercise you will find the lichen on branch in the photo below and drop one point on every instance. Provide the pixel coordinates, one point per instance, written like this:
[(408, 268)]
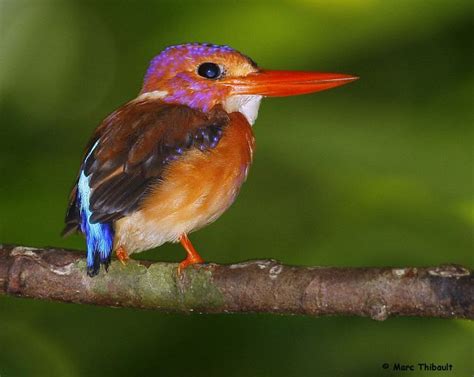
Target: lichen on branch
[(268, 286)]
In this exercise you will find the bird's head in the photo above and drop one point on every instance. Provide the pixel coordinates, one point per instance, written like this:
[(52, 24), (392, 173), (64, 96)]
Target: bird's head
[(204, 75)]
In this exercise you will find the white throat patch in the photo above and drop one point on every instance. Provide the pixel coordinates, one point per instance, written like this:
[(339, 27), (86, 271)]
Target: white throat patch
[(247, 105)]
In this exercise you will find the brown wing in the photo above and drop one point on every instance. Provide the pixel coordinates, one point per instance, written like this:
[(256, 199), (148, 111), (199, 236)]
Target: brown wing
[(130, 150)]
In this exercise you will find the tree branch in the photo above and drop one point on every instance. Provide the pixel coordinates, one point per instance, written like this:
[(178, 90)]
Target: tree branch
[(256, 286)]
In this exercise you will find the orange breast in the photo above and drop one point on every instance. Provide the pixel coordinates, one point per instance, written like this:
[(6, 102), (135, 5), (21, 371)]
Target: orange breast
[(195, 191)]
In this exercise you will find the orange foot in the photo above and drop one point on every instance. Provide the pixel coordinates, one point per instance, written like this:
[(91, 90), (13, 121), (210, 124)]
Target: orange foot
[(192, 258), (122, 255)]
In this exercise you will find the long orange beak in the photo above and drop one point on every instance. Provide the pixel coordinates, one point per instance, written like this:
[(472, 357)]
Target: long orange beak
[(286, 83)]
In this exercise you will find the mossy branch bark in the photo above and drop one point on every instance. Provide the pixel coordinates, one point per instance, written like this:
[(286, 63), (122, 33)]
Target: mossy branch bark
[(256, 286)]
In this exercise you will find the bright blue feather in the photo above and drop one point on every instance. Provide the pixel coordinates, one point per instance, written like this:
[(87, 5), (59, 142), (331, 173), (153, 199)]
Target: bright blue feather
[(99, 236)]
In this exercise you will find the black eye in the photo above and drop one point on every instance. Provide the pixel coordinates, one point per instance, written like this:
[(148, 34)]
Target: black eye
[(209, 70)]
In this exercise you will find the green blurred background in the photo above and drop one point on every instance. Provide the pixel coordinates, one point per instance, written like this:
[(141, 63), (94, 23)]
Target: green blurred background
[(379, 172)]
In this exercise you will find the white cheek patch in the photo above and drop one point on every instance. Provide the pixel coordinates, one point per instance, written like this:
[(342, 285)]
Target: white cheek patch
[(247, 105)]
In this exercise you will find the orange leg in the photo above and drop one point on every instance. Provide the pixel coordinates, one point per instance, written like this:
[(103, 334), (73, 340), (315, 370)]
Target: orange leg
[(122, 255), (192, 258)]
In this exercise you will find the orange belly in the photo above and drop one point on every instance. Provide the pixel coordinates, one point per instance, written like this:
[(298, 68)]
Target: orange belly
[(195, 191)]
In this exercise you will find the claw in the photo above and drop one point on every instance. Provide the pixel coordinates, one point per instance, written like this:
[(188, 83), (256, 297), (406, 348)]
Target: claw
[(122, 255)]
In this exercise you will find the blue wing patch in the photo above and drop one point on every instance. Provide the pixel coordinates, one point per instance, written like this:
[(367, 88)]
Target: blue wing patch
[(99, 236)]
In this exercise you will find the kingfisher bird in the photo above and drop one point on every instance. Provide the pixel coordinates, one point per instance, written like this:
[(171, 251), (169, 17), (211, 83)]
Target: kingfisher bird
[(173, 159)]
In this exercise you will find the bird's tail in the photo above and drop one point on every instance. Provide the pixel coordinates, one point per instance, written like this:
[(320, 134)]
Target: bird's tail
[(99, 236), (99, 245)]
